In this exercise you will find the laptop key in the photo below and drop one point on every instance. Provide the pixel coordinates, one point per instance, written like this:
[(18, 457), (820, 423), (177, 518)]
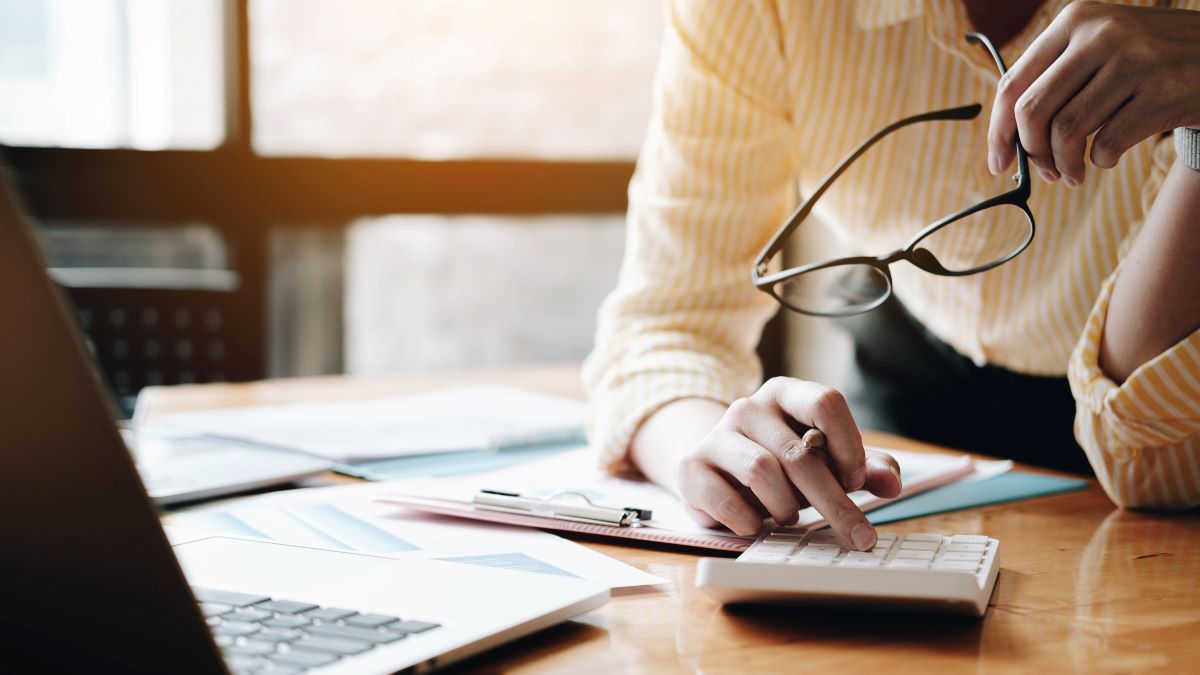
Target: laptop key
[(236, 628), (375, 637), (245, 662), (248, 614), (251, 648), (288, 621), (329, 613), (227, 597), (371, 620), (332, 645), (285, 606), (413, 626), (303, 659), (214, 608), (278, 634)]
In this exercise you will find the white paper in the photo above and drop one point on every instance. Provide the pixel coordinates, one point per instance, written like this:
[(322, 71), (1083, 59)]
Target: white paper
[(474, 418), (576, 471), (346, 518)]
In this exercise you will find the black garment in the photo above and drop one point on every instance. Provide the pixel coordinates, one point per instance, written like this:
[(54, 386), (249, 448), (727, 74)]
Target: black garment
[(909, 382)]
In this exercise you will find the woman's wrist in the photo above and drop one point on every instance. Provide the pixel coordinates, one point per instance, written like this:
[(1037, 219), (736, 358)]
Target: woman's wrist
[(670, 433)]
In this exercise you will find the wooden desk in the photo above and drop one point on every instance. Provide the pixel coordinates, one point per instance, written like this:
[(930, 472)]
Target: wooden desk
[(1083, 587)]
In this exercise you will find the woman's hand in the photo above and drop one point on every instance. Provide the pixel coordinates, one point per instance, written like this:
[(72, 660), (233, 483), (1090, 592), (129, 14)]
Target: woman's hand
[(753, 464), (1129, 72)]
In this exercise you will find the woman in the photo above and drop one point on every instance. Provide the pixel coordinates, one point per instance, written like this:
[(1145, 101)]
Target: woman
[(1095, 322)]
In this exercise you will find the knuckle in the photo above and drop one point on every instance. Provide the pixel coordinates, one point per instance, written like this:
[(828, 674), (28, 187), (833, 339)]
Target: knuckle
[(759, 468), (828, 403), (1076, 10), (742, 408), (773, 386), (1005, 88), (1065, 125), (1029, 109)]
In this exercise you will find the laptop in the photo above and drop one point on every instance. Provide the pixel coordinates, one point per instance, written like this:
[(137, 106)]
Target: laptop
[(178, 469), (91, 581)]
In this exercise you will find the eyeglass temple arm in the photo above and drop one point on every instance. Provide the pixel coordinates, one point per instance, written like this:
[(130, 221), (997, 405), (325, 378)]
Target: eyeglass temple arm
[(1022, 157), (965, 112)]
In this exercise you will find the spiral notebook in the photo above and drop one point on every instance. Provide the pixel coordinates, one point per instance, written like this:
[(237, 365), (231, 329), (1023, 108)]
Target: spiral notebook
[(575, 473)]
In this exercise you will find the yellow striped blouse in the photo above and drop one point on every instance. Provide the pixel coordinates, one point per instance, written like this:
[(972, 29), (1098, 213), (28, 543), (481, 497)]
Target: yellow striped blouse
[(756, 100)]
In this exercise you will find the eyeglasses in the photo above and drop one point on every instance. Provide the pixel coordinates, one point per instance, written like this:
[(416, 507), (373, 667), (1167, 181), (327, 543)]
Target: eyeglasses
[(971, 241)]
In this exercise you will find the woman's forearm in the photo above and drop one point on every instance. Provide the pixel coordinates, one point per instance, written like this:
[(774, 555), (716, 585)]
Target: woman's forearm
[(1156, 299)]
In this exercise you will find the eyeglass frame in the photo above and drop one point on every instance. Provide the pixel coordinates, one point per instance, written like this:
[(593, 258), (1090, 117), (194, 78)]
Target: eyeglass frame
[(919, 257)]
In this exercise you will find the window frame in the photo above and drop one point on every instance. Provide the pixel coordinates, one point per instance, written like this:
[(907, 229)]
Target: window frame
[(245, 195)]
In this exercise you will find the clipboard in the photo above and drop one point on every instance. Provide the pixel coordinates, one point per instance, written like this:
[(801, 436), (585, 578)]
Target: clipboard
[(644, 532), (575, 472)]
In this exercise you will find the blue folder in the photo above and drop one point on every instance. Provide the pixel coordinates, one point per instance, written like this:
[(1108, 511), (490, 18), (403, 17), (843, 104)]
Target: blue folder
[(1006, 487)]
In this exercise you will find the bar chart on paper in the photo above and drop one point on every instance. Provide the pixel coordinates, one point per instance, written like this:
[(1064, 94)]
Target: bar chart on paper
[(358, 524)]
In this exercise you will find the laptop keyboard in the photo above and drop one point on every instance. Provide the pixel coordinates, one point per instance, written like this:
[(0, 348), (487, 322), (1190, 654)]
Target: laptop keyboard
[(258, 634)]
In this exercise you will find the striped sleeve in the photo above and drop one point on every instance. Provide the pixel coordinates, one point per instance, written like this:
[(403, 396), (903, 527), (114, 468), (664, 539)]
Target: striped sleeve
[(713, 181), (1143, 436)]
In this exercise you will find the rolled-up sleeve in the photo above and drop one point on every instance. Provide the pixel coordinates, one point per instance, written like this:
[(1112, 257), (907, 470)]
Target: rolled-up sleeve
[(1142, 436), (714, 179)]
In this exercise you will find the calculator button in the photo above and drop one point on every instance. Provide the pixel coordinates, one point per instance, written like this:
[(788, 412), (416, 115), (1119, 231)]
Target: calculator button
[(913, 555), (885, 536), (969, 539), (972, 548), (860, 560), (782, 548), (810, 552), (918, 546), (905, 563), (811, 561), (955, 566), (923, 537), (963, 556), (823, 547)]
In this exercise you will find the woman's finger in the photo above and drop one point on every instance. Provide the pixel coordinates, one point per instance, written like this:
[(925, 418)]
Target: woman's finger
[(1080, 117), (1037, 108), (1138, 119), (824, 408), (883, 475), (807, 470), (706, 491), (1002, 127), (753, 466)]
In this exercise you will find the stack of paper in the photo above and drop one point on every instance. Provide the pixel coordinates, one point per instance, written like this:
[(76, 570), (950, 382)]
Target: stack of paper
[(452, 420)]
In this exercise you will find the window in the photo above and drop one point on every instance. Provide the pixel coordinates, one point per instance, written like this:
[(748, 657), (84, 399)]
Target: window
[(144, 74), (442, 79), (489, 128)]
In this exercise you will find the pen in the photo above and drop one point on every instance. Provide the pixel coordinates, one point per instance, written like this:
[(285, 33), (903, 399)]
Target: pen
[(554, 507), (813, 439)]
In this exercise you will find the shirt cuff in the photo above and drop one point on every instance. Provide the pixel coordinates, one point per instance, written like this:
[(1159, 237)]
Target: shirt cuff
[(627, 397), (1158, 405)]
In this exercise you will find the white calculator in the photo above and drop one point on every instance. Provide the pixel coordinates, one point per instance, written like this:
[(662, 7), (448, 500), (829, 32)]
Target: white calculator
[(934, 573)]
